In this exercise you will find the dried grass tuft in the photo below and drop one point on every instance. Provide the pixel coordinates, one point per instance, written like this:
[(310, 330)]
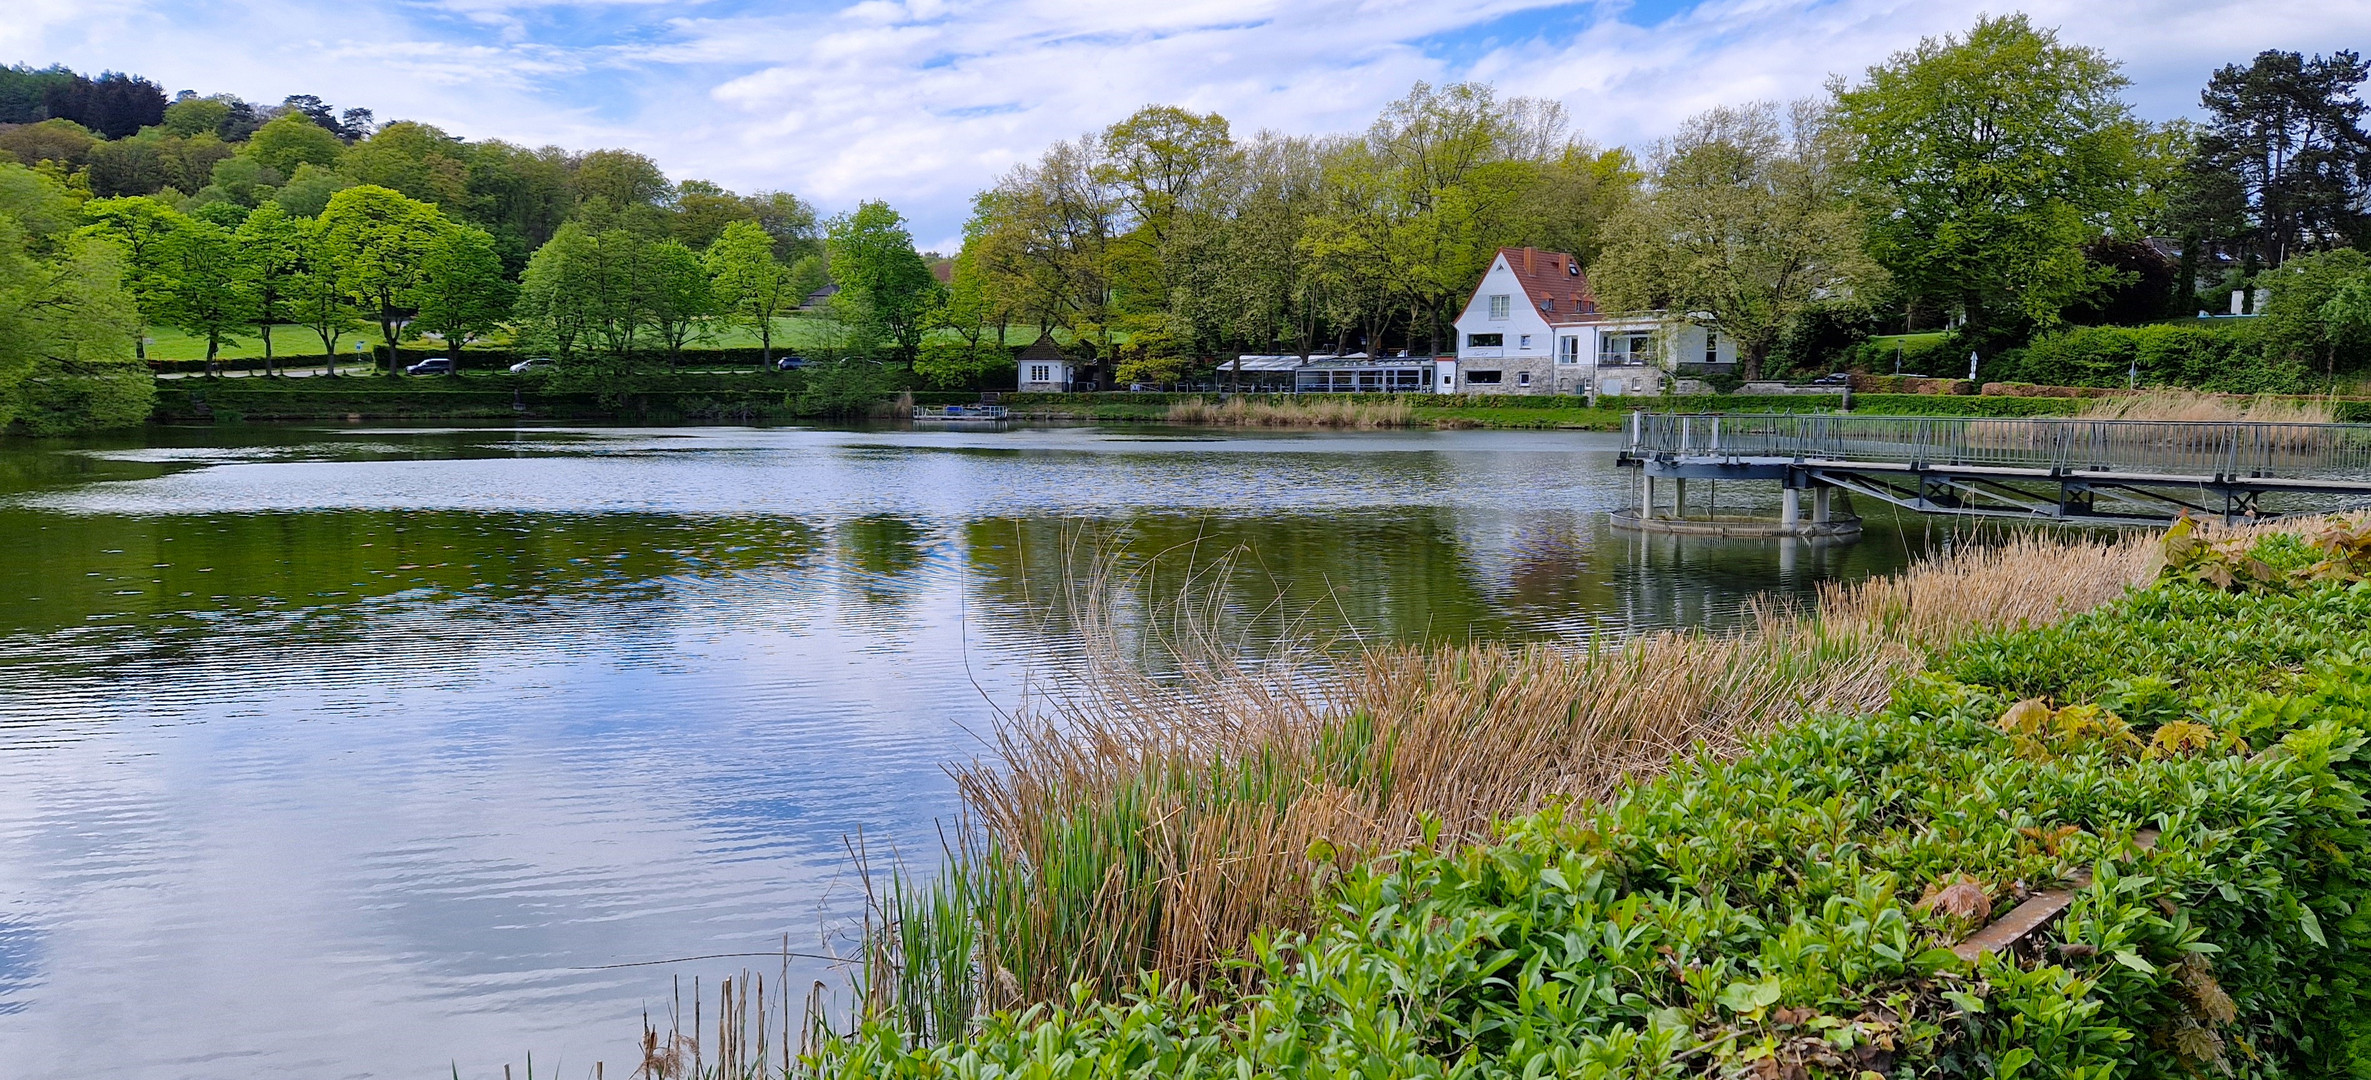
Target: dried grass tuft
[(2191, 406), (1321, 413)]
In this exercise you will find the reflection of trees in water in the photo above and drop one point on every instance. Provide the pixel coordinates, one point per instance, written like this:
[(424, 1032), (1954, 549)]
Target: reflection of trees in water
[(1252, 583), (184, 585), (882, 560)]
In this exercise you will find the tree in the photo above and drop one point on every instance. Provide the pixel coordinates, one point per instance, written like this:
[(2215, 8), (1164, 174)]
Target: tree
[(289, 141), (379, 240), (141, 228), (749, 286), (115, 104), (2311, 317), (555, 306), (675, 294), (307, 193), (316, 293), (1987, 163), (2283, 164), (886, 290), (462, 291), (1746, 227), (68, 327), (271, 249), (207, 288)]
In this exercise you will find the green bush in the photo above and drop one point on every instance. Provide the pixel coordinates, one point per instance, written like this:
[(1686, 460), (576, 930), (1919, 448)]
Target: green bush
[(2225, 357), (1789, 912)]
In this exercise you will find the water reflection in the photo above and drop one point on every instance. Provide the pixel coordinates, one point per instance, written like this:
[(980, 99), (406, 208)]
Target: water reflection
[(349, 751)]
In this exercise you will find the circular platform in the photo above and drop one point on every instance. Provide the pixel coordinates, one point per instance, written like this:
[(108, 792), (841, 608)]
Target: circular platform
[(1844, 527)]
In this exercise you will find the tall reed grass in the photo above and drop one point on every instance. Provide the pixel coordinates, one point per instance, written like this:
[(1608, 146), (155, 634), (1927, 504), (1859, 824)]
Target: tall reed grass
[(1321, 413), (1135, 824), (2193, 406)]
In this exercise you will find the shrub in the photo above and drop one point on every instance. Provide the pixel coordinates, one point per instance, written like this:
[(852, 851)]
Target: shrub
[(2226, 357)]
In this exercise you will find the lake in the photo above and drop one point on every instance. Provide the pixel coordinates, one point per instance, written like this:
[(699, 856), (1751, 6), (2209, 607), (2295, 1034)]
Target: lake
[(366, 751)]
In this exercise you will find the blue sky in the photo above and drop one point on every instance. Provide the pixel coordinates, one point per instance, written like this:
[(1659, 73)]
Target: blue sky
[(922, 102)]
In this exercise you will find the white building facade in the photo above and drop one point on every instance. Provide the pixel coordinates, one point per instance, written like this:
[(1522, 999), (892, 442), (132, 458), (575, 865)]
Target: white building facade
[(1532, 327)]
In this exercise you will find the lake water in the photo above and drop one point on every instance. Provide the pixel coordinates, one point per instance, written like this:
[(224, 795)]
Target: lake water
[(346, 751)]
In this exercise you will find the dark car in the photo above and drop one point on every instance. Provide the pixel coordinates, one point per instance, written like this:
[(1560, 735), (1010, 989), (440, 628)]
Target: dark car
[(434, 366), (790, 363), (1834, 378)]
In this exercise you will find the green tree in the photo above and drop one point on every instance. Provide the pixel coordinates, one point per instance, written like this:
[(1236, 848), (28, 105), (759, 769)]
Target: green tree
[(271, 249), (749, 286), (207, 285), (555, 306), (289, 141), (462, 292), (2283, 164), (307, 193), (886, 290), (2312, 317), (379, 240), (1745, 228), (68, 326), (677, 295), (142, 227), (1986, 164), (316, 294)]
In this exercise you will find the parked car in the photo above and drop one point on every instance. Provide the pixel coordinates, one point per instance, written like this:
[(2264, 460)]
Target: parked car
[(1834, 378), (532, 363), (790, 363), (439, 365)]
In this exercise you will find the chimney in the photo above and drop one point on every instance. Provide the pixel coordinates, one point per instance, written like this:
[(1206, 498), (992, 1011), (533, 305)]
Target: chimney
[(1527, 254)]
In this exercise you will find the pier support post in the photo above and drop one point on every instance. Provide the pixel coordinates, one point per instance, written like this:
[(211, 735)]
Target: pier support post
[(1821, 511), (1646, 501), (1679, 498), (1792, 515)]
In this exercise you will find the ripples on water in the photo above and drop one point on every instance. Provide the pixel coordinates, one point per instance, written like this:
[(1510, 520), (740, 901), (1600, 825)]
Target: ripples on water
[(352, 752)]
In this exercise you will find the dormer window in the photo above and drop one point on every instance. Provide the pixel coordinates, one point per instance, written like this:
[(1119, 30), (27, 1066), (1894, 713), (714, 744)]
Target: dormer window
[(1500, 305), (1548, 305)]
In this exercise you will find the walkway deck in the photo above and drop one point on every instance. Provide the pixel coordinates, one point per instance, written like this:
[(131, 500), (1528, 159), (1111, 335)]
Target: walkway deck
[(2105, 471)]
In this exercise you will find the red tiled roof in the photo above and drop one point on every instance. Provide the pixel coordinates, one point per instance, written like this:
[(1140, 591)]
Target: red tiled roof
[(1551, 278)]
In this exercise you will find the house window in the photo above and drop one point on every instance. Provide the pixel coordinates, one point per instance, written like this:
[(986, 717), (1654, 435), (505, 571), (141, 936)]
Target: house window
[(1626, 348), (1523, 378), (1568, 350), (1548, 305), (1041, 373), (1481, 376), (1712, 347), (1524, 343), (1500, 306), (1485, 341)]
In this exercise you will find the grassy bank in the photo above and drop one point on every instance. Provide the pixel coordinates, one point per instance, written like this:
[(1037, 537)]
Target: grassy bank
[(2181, 758)]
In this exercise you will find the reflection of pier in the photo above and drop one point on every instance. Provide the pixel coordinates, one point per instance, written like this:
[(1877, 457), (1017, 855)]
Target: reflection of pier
[(2052, 469)]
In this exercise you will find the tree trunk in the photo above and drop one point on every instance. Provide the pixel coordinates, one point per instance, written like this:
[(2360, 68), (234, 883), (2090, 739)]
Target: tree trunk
[(1749, 361), (268, 370), (213, 346), (765, 343)]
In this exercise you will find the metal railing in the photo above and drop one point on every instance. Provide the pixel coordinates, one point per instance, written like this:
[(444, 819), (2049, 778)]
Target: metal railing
[(2168, 448)]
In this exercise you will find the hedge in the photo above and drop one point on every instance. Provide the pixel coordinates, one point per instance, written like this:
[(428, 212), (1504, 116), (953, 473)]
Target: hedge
[(1788, 912), (2226, 357)]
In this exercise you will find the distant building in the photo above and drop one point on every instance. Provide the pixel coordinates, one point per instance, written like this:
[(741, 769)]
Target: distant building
[(1533, 327), (1045, 368), (819, 298)]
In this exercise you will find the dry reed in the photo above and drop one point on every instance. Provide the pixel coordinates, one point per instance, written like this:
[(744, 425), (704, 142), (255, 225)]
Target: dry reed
[(1321, 413), (2194, 407), (1137, 824)]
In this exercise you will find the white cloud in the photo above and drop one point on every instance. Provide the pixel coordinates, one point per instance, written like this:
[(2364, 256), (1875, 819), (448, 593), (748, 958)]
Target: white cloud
[(922, 102)]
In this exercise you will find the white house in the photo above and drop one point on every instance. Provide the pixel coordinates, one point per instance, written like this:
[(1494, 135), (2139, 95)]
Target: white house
[(1533, 327), (1045, 369)]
